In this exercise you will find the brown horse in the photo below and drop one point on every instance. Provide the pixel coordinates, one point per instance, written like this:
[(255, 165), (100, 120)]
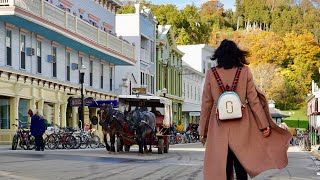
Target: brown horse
[(112, 121)]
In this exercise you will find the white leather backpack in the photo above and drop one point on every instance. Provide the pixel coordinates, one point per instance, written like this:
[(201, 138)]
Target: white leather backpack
[(229, 105)]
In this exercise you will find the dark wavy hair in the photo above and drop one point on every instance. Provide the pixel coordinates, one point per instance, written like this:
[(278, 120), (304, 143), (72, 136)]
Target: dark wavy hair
[(229, 55)]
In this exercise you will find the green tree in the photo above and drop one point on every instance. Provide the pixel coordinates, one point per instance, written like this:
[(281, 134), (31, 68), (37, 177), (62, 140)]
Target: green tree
[(127, 8)]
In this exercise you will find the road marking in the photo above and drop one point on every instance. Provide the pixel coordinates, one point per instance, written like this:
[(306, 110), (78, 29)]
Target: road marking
[(10, 175)]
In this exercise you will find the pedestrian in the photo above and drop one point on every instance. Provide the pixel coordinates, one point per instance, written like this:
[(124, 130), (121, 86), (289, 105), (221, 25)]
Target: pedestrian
[(180, 127), (252, 143), (37, 128)]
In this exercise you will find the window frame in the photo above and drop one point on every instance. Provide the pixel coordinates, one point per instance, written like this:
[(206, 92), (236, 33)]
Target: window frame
[(68, 63), (39, 58), (54, 52), (8, 47), (22, 51), (91, 73), (111, 79), (80, 62), (101, 76)]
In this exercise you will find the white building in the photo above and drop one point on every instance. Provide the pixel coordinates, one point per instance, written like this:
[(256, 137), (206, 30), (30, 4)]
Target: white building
[(313, 109), (198, 56), (44, 44), (196, 61), (191, 93), (138, 28)]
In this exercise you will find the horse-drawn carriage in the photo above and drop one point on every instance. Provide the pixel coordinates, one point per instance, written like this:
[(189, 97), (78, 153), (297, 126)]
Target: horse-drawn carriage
[(161, 108), (143, 120)]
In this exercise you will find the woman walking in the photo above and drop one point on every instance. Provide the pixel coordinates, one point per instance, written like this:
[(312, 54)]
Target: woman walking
[(252, 143)]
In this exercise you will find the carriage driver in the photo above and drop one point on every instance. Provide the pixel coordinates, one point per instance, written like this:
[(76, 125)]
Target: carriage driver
[(155, 111), (143, 106)]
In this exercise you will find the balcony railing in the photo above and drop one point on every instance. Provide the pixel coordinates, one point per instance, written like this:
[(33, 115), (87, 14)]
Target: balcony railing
[(144, 55), (72, 23)]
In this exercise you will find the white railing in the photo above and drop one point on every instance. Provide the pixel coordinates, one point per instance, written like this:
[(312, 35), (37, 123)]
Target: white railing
[(6, 2), (64, 19), (144, 55)]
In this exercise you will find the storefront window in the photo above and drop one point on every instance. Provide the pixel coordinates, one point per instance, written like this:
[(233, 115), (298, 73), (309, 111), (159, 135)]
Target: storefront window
[(4, 113), (23, 112), (48, 112)]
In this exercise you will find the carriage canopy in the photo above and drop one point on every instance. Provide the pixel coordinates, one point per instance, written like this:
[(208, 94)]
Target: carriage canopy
[(162, 105)]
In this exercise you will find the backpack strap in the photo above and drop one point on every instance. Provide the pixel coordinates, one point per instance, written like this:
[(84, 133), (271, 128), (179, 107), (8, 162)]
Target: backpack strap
[(234, 83), (236, 79), (216, 75)]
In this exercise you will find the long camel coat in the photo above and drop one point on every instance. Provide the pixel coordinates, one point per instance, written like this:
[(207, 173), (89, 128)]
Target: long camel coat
[(244, 137)]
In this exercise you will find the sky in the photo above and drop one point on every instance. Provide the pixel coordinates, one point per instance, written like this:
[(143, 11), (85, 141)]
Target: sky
[(228, 4)]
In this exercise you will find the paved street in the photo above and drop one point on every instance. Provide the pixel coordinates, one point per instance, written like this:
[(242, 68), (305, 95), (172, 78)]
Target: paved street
[(183, 162)]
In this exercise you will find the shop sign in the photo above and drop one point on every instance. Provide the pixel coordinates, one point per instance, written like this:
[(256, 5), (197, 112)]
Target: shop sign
[(139, 90), (194, 113), (76, 102)]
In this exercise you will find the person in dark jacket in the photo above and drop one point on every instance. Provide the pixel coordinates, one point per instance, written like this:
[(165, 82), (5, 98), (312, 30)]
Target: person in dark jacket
[(37, 129)]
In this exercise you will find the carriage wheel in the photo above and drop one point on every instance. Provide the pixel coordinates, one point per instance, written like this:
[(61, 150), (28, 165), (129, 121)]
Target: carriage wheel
[(160, 146), (94, 141), (126, 148), (166, 147)]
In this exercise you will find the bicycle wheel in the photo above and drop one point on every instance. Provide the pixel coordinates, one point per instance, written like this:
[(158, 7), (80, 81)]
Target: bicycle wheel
[(70, 142), (301, 144), (84, 142), (14, 142), (178, 139), (78, 142), (297, 141), (172, 139), (25, 144), (32, 143), (94, 141), (51, 142)]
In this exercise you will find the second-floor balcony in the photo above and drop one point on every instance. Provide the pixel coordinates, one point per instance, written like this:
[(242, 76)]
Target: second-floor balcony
[(52, 22)]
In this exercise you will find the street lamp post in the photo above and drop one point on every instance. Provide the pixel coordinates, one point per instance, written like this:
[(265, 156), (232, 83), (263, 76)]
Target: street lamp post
[(81, 117)]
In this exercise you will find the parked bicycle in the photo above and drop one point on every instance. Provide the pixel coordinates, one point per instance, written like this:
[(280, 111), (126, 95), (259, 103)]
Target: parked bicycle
[(304, 142), (89, 139), (22, 138), (61, 138)]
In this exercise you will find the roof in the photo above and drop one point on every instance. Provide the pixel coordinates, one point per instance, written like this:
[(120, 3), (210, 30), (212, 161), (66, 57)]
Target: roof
[(163, 32), (276, 113), (203, 46), (187, 66)]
